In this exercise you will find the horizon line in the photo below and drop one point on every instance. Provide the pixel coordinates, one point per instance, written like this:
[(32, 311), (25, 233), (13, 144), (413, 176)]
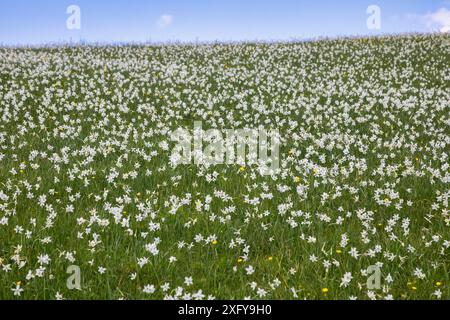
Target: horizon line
[(112, 43)]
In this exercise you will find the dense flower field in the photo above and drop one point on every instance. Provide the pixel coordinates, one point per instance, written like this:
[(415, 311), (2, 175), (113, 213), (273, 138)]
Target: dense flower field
[(87, 187)]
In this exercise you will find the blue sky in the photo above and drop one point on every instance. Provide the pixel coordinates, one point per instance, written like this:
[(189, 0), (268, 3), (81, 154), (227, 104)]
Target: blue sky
[(44, 21)]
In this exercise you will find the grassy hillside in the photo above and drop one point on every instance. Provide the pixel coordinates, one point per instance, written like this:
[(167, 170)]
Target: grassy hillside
[(86, 177)]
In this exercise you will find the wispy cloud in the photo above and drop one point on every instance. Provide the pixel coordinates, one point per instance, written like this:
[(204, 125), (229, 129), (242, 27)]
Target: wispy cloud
[(165, 20), (438, 20)]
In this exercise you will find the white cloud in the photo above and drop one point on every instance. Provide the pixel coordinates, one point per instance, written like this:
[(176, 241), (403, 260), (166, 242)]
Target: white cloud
[(438, 20), (165, 20)]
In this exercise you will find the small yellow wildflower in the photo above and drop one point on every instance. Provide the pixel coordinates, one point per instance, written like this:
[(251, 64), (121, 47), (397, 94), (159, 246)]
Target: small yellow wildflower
[(324, 290), (242, 169), (214, 242), (438, 284), (297, 179), (338, 251), (270, 258)]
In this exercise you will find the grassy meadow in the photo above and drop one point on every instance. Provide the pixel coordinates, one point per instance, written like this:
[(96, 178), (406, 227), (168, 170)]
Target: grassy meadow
[(86, 178)]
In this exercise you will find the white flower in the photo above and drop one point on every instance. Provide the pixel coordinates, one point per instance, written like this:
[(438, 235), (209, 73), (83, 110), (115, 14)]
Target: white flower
[(165, 287), (17, 290), (44, 259), (249, 270), (438, 293), (188, 281), (149, 288), (419, 273), (261, 292), (346, 279)]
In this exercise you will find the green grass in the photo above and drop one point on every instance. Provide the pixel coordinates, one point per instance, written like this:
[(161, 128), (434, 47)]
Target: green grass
[(371, 114)]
